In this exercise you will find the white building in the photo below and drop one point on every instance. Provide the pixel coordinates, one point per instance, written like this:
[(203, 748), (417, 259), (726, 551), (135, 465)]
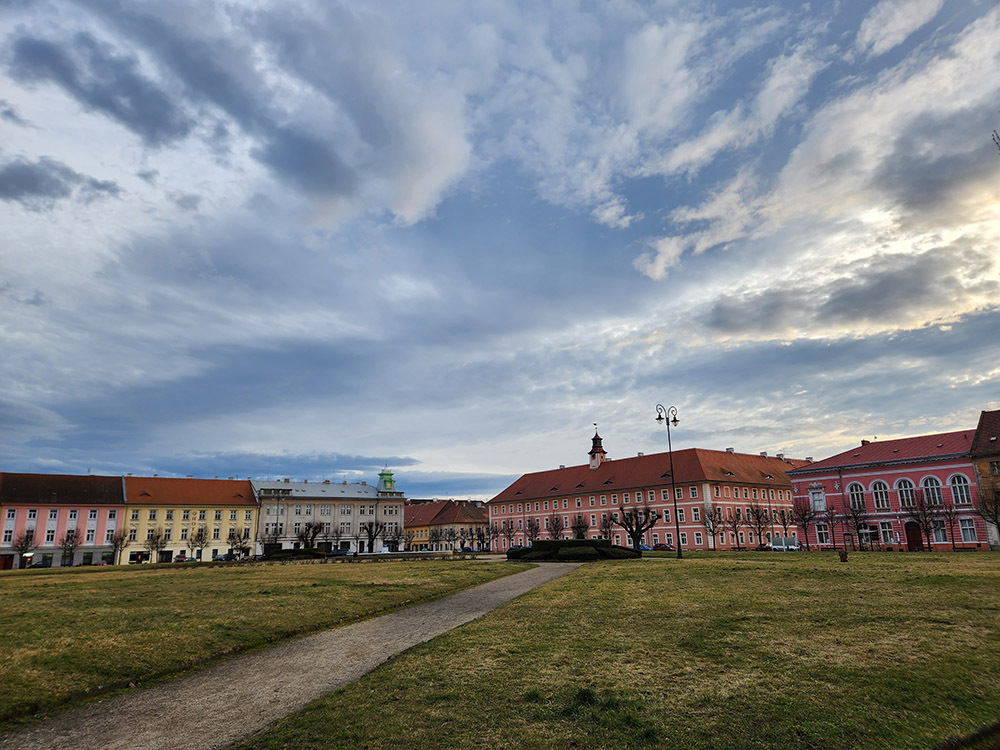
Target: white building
[(355, 517)]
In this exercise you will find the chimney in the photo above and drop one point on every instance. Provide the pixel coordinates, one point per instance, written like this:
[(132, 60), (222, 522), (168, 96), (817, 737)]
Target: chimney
[(763, 454), (129, 474), (641, 454), (809, 459), (305, 481), (364, 483), (562, 466), (189, 476), (729, 450), (326, 481), (286, 480), (156, 475), (866, 442)]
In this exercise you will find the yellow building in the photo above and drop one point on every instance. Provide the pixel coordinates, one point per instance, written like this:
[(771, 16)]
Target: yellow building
[(445, 525), (167, 518)]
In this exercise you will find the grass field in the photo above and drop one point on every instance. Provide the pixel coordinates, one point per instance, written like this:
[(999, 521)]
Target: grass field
[(751, 650), (71, 633)]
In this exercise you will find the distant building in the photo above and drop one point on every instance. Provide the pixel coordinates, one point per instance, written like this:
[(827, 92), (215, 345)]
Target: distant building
[(986, 460), (356, 517), (177, 512), (887, 493), (722, 484), (48, 507), (438, 525)]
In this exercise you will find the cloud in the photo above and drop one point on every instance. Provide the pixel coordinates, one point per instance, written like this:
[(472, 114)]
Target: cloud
[(889, 23), (39, 185), (8, 113), (101, 81)]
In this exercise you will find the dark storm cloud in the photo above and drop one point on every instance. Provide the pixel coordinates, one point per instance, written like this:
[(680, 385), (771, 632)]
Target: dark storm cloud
[(221, 74), (38, 185), (186, 201), (148, 176), (883, 288), (101, 81)]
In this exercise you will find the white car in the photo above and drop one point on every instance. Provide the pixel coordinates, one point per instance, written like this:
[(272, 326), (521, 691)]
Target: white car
[(785, 544)]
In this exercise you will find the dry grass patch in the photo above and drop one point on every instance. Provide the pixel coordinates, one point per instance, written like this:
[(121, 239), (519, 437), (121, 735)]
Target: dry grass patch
[(731, 650), (73, 633)]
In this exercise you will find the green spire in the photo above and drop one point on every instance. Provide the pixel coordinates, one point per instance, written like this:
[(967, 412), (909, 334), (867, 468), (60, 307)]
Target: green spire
[(385, 481)]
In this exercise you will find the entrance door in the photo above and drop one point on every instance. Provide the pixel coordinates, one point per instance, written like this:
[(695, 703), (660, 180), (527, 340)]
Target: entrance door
[(914, 539)]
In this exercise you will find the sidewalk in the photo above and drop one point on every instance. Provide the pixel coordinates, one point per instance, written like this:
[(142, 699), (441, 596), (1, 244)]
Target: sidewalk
[(237, 698)]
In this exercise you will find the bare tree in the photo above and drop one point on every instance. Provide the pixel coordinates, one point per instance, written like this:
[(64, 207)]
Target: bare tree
[(68, 544), (856, 517), (494, 535), (924, 513), (606, 525), (579, 527), (23, 544), (434, 537), (533, 528), (154, 543), (450, 536), (949, 515), (803, 515), (119, 541), (711, 520), (198, 541), (408, 538), (373, 530), (988, 508), (483, 537), (507, 531), (757, 520), (395, 536), (268, 539), (831, 518), (784, 517), (733, 523), (556, 526), (308, 534), (237, 541), (636, 522)]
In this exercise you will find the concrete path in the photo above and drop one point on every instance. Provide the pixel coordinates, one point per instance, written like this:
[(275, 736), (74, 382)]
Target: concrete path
[(220, 705)]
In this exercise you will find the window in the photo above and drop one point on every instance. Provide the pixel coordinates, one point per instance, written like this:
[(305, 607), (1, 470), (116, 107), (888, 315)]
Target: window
[(885, 528), (856, 494), (109, 536), (232, 514), (939, 533), (346, 510), (152, 515), (904, 488), (184, 533), (880, 493), (715, 490), (968, 526), (53, 514), (664, 495), (932, 490), (132, 534), (626, 498), (11, 514), (697, 538), (149, 532), (684, 539), (8, 535), (822, 533), (678, 493), (345, 526), (694, 492), (537, 506), (565, 503), (742, 538), (185, 515), (170, 515), (817, 498), (680, 515), (669, 539), (725, 492), (666, 515), (215, 533), (746, 493), (218, 515), (593, 502), (754, 493), (33, 514), (167, 533), (604, 499), (614, 500), (696, 514), (201, 515), (593, 519), (960, 490), (248, 516), (72, 515), (995, 468), (298, 510)]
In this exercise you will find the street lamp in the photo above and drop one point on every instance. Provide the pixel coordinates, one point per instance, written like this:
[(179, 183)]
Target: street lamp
[(669, 416)]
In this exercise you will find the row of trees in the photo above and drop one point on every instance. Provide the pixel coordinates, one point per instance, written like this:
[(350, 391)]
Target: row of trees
[(928, 514)]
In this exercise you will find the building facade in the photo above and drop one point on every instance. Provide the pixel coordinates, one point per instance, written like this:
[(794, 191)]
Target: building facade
[(354, 517), (58, 519), (724, 499), (889, 494), (170, 517), (986, 461), (439, 525)]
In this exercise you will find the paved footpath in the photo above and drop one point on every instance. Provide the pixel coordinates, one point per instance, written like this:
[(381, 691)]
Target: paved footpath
[(217, 706)]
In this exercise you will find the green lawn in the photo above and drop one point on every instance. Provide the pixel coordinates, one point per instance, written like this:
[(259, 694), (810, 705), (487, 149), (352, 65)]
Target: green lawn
[(71, 633), (745, 650)]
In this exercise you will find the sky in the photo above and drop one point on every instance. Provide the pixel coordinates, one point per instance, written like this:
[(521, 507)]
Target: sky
[(316, 239)]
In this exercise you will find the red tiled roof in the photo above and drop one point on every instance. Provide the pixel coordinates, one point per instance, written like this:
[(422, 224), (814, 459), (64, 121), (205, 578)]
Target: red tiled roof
[(987, 439), (441, 512), (178, 491), (62, 489), (641, 472), (893, 451)]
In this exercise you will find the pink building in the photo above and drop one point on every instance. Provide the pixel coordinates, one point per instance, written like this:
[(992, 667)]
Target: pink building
[(886, 494), (45, 508), (720, 485)]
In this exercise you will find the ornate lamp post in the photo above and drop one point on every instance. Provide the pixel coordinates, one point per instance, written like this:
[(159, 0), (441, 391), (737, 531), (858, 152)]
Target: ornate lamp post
[(669, 416)]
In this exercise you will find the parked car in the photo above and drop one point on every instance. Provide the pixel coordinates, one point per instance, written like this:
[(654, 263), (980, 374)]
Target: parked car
[(469, 549), (645, 548), (339, 552), (41, 564), (662, 548), (228, 557), (183, 558), (785, 544)]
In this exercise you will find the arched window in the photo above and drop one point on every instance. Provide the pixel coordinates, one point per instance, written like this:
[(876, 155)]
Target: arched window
[(960, 490), (904, 488), (880, 492), (932, 490), (857, 494)]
